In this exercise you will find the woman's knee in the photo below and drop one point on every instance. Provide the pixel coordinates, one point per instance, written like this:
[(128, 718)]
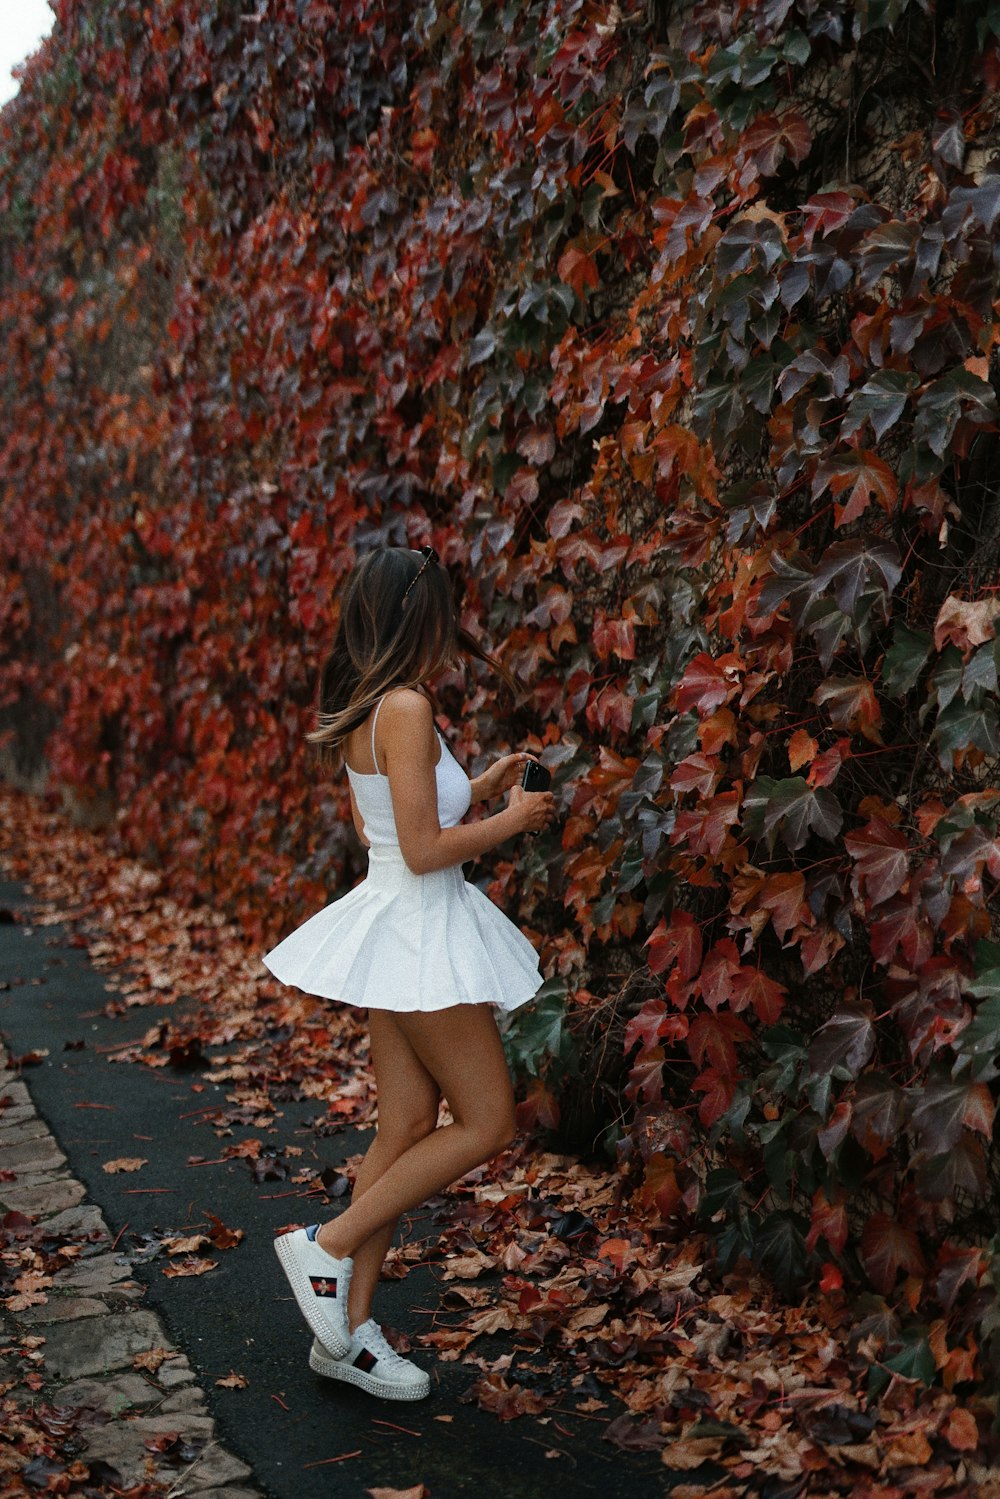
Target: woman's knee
[(398, 1135), (495, 1132)]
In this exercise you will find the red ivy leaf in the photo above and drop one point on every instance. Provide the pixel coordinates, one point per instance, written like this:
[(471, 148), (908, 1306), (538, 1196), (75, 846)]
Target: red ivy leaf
[(613, 637), (652, 1023), (578, 270), (708, 683), (900, 926), (772, 137), (751, 986), (719, 1089), (886, 1248), (678, 943), (802, 750), (825, 212), (698, 772), (851, 704), (539, 1107), (712, 1039), (715, 982), (862, 476), (826, 765), (828, 1221), (881, 859), (645, 1080)]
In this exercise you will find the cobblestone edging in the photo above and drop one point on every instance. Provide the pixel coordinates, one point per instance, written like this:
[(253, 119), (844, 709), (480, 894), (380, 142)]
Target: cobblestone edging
[(94, 1327)]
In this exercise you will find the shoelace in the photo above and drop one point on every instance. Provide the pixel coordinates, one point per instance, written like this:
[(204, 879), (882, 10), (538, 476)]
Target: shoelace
[(374, 1340)]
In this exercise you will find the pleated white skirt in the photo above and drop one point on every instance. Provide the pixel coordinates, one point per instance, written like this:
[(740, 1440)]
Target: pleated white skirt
[(405, 941)]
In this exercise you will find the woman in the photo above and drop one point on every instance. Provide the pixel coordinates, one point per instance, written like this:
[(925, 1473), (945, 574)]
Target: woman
[(427, 953)]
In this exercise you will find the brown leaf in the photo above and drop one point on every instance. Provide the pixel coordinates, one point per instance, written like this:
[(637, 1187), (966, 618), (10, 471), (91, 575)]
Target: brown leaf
[(418, 1491), (908, 1449), (691, 1452), (124, 1163), (233, 1381), (152, 1359), (29, 1293), (505, 1401), (964, 623), (468, 1266), (221, 1236), (960, 1430), (192, 1266), (802, 750), (184, 1243)]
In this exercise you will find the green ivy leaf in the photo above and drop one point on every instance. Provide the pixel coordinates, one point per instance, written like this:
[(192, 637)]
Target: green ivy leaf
[(979, 1044), (796, 47), (946, 678), (961, 726), (881, 400), (537, 1033), (791, 808), (722, 1193), (905, 660), (980, 675), (780, 1246), (957, 394), (914, 1361)]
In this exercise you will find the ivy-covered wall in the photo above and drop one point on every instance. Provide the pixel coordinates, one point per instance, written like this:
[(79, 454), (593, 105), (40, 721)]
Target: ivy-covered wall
[(674, 328)]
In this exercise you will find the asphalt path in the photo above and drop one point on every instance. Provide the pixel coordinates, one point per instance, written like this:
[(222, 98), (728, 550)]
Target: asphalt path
[(295, 1430)]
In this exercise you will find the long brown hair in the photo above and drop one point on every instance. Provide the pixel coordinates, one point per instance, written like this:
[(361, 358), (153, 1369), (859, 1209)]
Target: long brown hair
[(380, 643)]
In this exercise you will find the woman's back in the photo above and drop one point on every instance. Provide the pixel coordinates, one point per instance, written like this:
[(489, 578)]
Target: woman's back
[(371, 786)]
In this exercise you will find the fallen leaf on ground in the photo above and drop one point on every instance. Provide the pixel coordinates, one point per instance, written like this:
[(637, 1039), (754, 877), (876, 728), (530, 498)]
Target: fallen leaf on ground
[(185, 1243), (125, 1163), (30, 1291), (961, 1431), (152, 1358), (692, 1452), (191, 1266), (233, 1381), (468, 1266), (221, 1236), (419, 1491)]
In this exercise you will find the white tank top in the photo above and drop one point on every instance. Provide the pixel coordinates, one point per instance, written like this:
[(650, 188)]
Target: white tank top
[(374, 799)]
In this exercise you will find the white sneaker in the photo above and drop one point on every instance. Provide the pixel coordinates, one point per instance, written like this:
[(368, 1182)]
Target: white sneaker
[(320, 1283), (372, 1365)]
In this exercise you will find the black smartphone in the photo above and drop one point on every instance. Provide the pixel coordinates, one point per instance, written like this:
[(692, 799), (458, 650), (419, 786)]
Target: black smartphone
[(535, 778)]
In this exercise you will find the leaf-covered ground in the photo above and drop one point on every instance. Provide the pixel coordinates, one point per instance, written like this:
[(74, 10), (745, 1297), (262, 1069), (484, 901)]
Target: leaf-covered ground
[(595, 1308)]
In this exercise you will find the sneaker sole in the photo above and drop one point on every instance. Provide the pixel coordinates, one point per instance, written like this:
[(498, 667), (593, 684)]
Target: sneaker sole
[(299, 1282), (347, 1374)]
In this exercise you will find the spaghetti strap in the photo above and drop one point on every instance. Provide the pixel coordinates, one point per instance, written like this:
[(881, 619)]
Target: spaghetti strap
[(374, 716)]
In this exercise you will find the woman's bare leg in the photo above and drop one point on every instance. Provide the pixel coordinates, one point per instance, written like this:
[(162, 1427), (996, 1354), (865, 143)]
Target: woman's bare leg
[(407, 1111), (461, 1049)]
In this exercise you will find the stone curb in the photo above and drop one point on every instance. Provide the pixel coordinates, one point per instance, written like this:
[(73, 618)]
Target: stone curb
[(93, 1327)]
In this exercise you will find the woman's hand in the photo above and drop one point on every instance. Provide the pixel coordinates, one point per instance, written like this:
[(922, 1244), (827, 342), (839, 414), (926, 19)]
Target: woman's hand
[(502, 775), (532, 810)]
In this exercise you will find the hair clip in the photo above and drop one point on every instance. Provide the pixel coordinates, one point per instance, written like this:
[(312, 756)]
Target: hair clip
[(429, 555)]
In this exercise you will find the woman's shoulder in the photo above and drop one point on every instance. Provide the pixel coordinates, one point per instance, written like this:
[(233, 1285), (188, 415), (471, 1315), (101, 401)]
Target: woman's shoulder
[(407, 705)]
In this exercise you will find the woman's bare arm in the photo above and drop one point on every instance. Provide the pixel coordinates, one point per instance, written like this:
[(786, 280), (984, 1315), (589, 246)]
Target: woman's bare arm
[(409, 753), (475, 785)]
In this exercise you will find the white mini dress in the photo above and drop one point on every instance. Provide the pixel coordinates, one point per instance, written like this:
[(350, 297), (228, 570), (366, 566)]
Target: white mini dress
[(404, 941)]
